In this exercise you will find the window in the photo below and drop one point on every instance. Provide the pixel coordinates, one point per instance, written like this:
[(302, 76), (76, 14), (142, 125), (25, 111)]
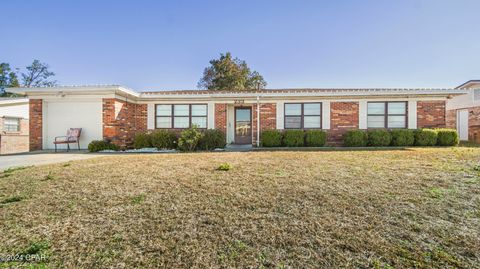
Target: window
[(303, 116), (11, 124), (181, 116), (387, 115), (476, 95)]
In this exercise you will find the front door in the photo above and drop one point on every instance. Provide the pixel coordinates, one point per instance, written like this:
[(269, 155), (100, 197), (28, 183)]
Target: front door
[(243, 125), (462, 124)]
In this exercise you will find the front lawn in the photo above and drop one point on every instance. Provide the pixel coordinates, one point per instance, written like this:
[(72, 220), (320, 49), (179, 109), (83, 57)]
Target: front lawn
[(401, 208)]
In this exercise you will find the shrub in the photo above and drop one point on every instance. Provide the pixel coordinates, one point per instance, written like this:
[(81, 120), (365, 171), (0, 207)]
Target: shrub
[(315, 138), (224, 167), (355, 138), (425, 137), (447, 137), (294, 138), (189, 139), (271, 138), (212, 139), (98, 145), (402, 137), (142, 140), (379, 138), (164, 139)]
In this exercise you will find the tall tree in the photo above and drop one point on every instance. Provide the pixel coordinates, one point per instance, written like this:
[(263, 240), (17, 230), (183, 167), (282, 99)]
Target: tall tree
[(227, 73), (38, 75), (8, 78)]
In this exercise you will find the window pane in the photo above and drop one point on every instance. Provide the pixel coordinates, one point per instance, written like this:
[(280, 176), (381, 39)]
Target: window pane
[(311, 122), (199, 110), (396, 122), (311, 109), (293, 109), (293, 122), (397, 108), (164, 122), (181, 110), (376, 122), (164, 110), (242, 114), (376, 108), (11, 121), (181, 122), (201, 122)]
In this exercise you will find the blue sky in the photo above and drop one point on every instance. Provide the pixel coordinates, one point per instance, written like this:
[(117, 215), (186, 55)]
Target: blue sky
[(156, 45)]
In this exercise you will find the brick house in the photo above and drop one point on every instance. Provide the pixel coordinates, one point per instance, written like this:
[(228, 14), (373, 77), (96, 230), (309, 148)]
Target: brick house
[(117, 113), (14, 126), (463, 111)]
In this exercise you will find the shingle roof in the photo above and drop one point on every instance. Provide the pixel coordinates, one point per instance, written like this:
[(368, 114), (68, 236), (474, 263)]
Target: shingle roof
[(468, 82)]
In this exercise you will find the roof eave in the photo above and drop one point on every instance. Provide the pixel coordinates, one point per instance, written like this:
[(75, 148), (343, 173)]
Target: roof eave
[(87, 90)]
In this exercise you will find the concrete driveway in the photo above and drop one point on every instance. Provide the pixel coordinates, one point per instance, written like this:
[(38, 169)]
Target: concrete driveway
[(44, 157)]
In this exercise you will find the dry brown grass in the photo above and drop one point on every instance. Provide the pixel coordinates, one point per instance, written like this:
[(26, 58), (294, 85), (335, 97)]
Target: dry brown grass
[(405, 208)]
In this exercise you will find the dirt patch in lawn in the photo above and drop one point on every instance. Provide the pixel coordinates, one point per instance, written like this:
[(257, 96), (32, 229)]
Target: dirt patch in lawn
[(409, 208)]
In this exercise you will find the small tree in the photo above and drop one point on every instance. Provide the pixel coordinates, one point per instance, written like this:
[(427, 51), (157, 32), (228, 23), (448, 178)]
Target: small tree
[(227, 73), (38, 75)]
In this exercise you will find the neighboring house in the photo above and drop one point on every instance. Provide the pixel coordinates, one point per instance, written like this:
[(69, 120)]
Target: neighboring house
[(14, 127), (117, 113), (463, 112)]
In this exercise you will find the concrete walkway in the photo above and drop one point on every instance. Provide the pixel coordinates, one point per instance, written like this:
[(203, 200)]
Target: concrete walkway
[(42, 157)]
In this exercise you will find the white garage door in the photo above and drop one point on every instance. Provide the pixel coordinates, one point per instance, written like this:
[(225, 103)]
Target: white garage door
[(60, 116)]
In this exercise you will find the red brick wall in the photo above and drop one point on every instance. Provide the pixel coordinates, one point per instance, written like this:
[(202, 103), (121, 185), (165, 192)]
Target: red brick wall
[(431, 114), (36, 124), (343, 117), (451, 119), (122, 120), (141, 117), (268, 116), (221, 117)]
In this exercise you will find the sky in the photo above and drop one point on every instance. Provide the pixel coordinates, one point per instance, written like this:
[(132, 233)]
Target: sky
[(165, 45)]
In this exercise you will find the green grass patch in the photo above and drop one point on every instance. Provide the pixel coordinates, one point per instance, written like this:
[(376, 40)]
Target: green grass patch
[(13, 169), (224, 167), (436, 193), (12, 199), (138, 199)]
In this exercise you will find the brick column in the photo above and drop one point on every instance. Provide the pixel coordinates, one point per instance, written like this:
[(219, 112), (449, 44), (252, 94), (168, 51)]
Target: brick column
[(221, 117), (451, 119), (36, 124), (343, 117), (431, 114), (140, 118), (122, 120)]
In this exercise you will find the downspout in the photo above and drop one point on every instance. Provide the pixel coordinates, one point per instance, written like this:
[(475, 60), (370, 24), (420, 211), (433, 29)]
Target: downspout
[(258, 120)]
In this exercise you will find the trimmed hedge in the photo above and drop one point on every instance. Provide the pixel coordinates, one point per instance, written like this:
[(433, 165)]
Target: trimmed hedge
[(378, 138), (447, 137), (212, 139), (315, 138), (164, 139), (402, 137), (355, 138), (425, 137), (98, 145), (294, 138), (271, 138), (142, 140)]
